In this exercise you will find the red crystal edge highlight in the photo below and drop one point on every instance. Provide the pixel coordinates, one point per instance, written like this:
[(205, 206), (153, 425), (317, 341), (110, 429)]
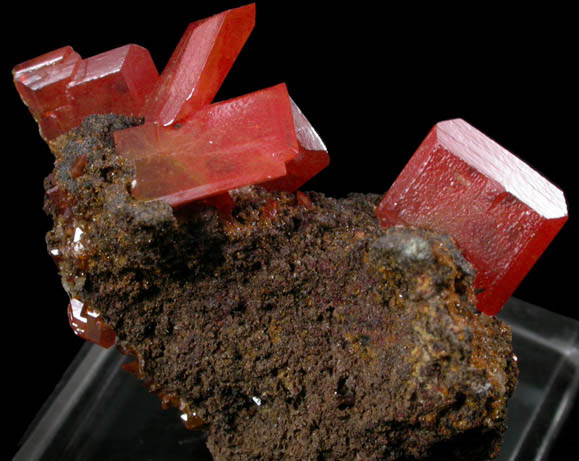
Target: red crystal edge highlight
[(311, 159), (199, 65), (502, 213)]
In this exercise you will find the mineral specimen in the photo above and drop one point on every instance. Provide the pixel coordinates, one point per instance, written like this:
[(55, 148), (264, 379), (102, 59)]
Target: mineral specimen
[(296, 328), (502, 213), (285, 324)]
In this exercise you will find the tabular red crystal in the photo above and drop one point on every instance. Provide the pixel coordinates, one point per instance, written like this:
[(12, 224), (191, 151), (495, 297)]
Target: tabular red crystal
[(42, 82), (311, 159), (61, 89), (87, 324), (116, 81), (242, 141), (199, 65), (502, 213)]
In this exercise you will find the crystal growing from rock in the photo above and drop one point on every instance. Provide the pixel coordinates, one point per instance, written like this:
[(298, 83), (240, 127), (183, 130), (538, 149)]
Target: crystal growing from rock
[(502, 213), (87, 323), (42, 82), (223, 146), (60, 89)]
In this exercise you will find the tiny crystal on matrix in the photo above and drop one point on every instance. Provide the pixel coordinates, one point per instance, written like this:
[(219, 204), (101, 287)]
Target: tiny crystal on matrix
[(87, 323), (502, 213), (199, 65)]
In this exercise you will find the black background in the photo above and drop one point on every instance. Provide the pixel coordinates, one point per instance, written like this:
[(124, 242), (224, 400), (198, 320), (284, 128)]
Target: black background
[(371, 81)]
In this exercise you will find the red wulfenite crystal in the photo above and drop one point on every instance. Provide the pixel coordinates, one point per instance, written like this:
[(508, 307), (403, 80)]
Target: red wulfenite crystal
[(60, 89), (311, 159), (116, 81), (242, 141), (502, 213), (87, 324), (199, 65), (42, 82)]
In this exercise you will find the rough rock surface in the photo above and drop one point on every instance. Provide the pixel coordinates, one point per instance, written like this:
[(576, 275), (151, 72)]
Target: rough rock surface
[(296, 328)]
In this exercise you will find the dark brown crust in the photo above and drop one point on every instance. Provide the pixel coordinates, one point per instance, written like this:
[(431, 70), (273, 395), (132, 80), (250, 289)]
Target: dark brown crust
[(294, 330)]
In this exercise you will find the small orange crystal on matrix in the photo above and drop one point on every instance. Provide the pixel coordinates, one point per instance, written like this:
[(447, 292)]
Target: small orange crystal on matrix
[(502, 213)]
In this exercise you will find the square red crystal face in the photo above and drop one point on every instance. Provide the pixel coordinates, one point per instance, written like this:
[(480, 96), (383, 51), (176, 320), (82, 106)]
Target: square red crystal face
[(502, 213)]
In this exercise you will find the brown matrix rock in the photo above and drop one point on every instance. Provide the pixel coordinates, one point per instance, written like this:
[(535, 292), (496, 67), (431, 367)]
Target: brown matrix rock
[(296, 328)]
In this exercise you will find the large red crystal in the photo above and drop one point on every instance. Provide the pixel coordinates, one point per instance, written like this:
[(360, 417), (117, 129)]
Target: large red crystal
[(242, 141), (60, 89), (199, 65), (42, 82), (116, 81), (502, 213)]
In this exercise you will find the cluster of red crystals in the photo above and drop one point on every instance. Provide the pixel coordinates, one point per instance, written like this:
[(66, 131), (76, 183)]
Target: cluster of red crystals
[(189, 149), (220, 147), (61, 89), (247, 140), (88, 324), (502, 213)]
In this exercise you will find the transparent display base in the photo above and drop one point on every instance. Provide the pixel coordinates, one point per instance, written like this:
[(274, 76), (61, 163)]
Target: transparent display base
[(98, 411)]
